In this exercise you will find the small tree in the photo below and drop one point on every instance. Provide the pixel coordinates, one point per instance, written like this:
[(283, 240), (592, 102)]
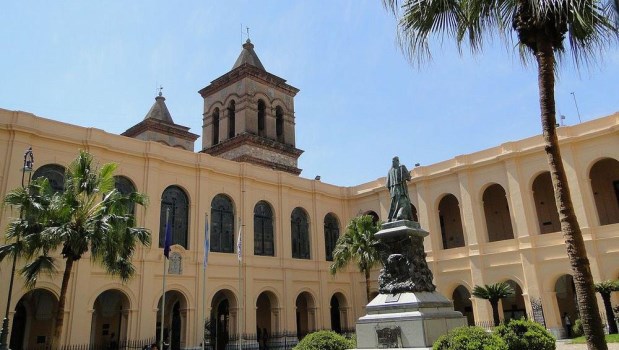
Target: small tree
[(358, 244), (493, 293), (525, 335), (606, 288), (324, 340), (469, 338)]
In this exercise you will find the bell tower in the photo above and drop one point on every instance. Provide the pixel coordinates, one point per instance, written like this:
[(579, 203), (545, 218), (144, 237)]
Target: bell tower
[(249, 116)]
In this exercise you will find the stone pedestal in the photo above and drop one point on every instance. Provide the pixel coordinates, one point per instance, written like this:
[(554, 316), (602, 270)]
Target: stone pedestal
[(408, 312), (411, 320)]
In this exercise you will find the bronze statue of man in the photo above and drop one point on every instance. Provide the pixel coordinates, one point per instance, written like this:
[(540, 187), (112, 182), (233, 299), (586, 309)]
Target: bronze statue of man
[(397, 177)]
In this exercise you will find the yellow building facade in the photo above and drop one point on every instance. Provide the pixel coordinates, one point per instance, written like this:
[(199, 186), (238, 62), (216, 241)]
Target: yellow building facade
[(491, 217)]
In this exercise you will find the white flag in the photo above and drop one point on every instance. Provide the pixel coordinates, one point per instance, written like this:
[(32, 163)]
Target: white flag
[(239, 243)]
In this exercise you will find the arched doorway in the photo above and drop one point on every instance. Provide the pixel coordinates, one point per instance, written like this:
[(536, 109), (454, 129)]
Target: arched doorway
[(174, 321), (33, 322), (545, 206), (450, 221), (373, 214), (604, 177), (513, 306), (496, 212), (109, 319), (223, 319), (565, 292), (304, 314), (266, 319), (462, 303), (337, 308)]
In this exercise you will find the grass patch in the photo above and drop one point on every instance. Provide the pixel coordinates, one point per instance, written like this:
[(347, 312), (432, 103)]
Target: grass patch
[(610, 338)]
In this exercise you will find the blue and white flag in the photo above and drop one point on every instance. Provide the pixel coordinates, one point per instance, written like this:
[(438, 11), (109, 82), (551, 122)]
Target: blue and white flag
[(168, 239), (207, 242)]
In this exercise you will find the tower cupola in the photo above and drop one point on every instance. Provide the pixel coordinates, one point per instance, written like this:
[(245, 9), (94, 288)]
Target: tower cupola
[(249, 116)]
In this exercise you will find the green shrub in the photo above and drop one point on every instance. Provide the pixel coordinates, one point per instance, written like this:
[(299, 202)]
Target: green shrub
[(324, 340), (577, 330), (525, 335), (469, 338)]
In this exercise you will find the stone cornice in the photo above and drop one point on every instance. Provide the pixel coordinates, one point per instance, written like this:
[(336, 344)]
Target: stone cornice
[(160, 127), (253, 140), (268, 164), (244, 71)]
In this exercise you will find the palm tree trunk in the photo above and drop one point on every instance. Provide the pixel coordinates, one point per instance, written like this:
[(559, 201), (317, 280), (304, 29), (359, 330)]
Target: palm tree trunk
[(495, 312), (610, 316), (367, 284), (61, 302), (574, 243)]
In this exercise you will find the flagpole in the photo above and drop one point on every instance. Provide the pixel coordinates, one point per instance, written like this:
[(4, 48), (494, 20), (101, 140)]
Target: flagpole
[(206, 247), (165, 259), (241, 298)]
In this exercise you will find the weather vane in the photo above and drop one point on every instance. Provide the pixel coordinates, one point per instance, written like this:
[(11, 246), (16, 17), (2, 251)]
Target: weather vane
[(160, 90)]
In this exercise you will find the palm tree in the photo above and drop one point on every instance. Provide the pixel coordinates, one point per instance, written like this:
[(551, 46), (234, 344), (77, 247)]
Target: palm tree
[(606, 288), (493, 293), (541, 28), (32, 202), (90, 215), (358, 244)]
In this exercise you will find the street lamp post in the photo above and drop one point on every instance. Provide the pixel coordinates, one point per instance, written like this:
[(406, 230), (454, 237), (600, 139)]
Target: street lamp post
[(27, 168)]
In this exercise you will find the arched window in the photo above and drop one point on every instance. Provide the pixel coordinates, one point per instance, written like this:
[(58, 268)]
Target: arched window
[(176, 201), (496, 210), (54, 173), (263, 229), (300, 234), (279, 124), (545, 205), (261, 118), (332, 233), (231, 119), (216, 126), (604, 177), (125, 187), (451, 222), (222, 224)]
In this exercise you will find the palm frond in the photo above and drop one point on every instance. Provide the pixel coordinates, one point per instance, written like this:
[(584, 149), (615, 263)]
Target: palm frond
[(32, 270), (493, 291), (357, 244), (607, 287)]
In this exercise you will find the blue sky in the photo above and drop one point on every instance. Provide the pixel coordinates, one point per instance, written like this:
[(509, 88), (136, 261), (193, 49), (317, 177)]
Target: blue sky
[(97, 64)]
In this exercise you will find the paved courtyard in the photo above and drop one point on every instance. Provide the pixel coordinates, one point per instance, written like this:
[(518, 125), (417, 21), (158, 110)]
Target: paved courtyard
[(563, 345)]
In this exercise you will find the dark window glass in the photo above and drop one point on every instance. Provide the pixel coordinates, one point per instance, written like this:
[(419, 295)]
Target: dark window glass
[(222, 225), (300, 234), (175, 202), (54, 173), (332, 233), (125, 187), (263, 229)]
